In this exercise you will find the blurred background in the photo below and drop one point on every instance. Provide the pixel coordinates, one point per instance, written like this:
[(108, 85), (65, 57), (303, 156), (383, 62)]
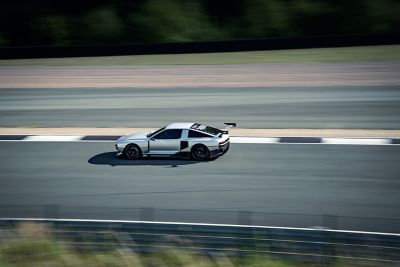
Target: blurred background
[(46, 22), (323, 192)]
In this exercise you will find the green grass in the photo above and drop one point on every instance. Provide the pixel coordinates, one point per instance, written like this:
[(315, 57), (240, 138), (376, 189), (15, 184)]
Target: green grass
[(51, 252), (345, 54), (30, 244)]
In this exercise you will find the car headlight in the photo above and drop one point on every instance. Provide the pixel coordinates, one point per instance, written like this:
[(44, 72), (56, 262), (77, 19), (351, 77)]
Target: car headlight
[(121, 138)]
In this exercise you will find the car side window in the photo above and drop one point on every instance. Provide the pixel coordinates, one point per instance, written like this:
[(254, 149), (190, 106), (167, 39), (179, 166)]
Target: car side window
[(194, 134), (169, 134)]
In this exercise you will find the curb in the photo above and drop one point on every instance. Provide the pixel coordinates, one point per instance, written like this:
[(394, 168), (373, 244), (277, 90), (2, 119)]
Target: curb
[(237, 140)]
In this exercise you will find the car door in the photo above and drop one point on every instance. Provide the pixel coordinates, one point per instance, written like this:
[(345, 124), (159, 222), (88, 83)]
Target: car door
[(166, 142)]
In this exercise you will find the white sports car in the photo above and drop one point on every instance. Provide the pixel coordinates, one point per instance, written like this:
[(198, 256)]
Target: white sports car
[(190, 140)]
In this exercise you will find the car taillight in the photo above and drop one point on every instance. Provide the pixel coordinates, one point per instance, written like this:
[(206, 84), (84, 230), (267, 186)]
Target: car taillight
[(224, 142)]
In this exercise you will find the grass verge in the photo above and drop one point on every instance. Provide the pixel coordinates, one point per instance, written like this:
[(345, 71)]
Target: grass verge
[(343, 54), (35, 245)]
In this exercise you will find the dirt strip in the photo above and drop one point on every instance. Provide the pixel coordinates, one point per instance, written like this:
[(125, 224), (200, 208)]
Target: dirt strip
[(349, 133), (187, 76)]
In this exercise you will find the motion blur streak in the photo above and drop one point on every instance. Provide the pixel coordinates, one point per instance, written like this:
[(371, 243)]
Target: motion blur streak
[(365, 73), (323, 107)]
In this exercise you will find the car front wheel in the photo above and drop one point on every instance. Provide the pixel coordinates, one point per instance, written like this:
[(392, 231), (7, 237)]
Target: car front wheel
[(200, 152), (133, 151)]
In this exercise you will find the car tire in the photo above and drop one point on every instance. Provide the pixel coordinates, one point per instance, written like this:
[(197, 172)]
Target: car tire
[(200, 153), (133, 151)]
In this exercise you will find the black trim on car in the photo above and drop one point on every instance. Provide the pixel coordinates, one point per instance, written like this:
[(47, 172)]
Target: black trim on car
[(184, 144)]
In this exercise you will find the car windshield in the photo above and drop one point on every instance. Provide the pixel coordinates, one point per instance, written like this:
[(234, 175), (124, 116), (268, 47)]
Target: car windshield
[(156, 132), (206, 129)]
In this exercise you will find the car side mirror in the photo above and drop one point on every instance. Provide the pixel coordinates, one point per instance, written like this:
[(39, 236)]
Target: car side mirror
[(152, 139)]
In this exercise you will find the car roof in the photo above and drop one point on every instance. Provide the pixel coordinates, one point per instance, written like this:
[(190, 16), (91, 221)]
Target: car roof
[(180, 125)]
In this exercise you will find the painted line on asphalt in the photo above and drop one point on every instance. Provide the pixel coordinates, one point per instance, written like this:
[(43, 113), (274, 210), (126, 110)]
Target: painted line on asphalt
[(356, 141), (395, 142), (101, 137), (200, 224), (233, 139), (300, 140), (254, 140), (12, 137), (53, 138)]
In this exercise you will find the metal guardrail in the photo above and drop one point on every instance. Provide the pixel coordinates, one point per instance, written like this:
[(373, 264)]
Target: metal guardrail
[(302, 244)]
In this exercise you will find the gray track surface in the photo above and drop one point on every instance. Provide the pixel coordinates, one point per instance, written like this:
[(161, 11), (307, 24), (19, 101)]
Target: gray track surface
[(360, 107), (337, 186)]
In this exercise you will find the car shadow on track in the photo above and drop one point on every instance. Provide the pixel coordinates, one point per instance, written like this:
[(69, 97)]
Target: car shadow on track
[(109, 158)]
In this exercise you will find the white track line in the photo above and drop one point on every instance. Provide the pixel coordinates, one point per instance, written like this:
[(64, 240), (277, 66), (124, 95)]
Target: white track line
[(355, 141), (198, 224), (254, 140), (55, 138)]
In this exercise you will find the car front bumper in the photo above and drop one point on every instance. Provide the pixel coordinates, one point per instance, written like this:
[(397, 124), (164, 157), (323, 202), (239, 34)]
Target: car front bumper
[(120, 151)]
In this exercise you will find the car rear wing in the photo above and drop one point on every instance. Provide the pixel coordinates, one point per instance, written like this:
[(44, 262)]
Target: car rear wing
[(229, 125)]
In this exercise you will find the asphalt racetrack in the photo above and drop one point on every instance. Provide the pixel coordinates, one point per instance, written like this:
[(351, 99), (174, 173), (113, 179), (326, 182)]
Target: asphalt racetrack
[(336, 186), (323, 107)]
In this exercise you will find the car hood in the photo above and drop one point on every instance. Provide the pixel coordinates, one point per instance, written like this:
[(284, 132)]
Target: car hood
[(136, 136)]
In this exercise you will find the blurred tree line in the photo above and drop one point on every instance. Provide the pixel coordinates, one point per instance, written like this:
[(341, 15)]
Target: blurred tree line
[(72, 22)]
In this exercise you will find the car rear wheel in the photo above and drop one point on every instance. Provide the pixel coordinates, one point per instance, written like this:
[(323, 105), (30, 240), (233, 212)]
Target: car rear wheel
[(200, 152), (133, 151)]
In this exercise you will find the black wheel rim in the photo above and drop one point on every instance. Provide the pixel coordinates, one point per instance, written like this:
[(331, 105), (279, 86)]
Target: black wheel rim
[(200, 153), (133, 152)]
